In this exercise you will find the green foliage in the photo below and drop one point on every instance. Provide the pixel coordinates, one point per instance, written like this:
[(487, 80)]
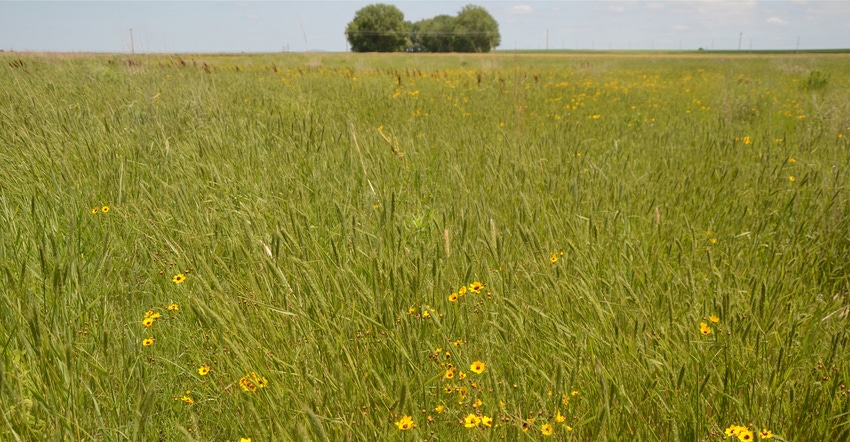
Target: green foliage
[(378, 28), (816, 80), (610, 206), (381, 28), (475, 30), (434, 34)]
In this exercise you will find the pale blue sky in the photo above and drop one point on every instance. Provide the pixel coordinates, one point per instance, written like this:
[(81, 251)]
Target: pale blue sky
[(271, 26)]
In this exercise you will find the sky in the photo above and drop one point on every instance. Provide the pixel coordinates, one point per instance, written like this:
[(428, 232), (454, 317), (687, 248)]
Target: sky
[(208, 26)]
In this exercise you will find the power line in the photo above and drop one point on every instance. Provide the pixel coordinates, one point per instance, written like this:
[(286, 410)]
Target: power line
[(424, 34)]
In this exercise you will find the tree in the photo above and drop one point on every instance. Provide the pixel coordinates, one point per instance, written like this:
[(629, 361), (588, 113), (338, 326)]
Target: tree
[(475, 30), (434, 34), (378, 28)]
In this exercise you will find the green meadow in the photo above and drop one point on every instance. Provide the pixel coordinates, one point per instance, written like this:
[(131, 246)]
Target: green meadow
[(405, 247)]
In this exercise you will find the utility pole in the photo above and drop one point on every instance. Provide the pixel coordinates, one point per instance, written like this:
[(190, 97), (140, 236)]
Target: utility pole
[(132, 48), (798, 45), (547, 40), (740, 36)]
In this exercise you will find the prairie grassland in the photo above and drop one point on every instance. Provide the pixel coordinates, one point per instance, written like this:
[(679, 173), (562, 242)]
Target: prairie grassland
[(663, 245)]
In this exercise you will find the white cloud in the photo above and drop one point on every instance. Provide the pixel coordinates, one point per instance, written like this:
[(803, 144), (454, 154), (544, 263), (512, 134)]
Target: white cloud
[(716, 14), (680, 28), (776, 21), (655, 5), (254, 17), (519, 9), (616, 9)]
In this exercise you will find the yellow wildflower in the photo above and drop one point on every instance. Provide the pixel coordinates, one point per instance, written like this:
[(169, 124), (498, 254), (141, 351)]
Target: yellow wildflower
[(471, 421), (477, 367), (405, 423), (560, 417)]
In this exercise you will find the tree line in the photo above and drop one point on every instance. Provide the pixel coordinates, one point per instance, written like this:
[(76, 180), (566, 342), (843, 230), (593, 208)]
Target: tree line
[(382, 28)]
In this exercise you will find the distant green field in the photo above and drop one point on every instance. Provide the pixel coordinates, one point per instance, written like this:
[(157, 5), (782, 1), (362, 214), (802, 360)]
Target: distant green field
[(280, 247)]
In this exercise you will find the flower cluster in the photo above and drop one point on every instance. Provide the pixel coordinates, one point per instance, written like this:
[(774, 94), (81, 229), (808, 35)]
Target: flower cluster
[(704, 328), (474, 421), (96, 210), (251, 382), (425, 314), (474, 287), (150, 316), (743, 433)]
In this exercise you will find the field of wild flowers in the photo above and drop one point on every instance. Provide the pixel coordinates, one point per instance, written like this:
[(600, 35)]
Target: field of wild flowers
[(416, 247)]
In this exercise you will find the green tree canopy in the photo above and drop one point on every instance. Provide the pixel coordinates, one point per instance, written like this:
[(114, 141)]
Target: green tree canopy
[(378, 28), (434, 34), (475, 30)]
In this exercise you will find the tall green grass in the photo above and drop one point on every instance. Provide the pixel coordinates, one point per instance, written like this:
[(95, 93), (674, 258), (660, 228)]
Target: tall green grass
[(323, 208)]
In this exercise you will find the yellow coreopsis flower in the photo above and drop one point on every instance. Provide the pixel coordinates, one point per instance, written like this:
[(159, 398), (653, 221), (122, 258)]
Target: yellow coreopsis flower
[(733, 430), (745, 434), (477, 367), (560, 417), (405, 423)]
